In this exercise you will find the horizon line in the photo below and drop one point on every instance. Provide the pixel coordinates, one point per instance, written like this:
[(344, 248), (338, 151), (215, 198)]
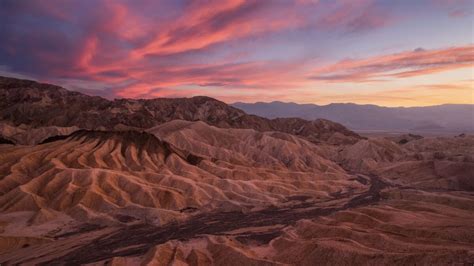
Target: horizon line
[(228, 103)]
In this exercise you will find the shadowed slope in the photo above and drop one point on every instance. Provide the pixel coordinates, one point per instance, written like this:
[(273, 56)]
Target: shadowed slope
[(157, 193), (6, 141), (100, 175)]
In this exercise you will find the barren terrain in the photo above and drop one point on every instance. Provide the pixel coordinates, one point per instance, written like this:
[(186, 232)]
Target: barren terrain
[(201, 190)]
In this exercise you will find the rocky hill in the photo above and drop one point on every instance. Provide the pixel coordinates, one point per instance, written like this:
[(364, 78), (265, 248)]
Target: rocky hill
[(193, 194), (85, 180), (24, 102)]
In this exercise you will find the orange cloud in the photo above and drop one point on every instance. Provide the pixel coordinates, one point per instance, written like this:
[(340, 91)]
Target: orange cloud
[(243, 76), (229, 49), (400, 65)]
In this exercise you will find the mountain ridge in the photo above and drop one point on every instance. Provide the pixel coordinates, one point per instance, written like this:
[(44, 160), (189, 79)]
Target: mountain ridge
[(445, 117), (351, 103), (24, 102), (90, 182)]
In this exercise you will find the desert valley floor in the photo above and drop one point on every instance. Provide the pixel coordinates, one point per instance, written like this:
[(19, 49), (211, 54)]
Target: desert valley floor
[(84, 180)]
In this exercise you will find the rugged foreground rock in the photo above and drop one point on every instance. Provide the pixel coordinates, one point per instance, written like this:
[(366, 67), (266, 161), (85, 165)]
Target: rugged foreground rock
[(187, 192), (157, 190)]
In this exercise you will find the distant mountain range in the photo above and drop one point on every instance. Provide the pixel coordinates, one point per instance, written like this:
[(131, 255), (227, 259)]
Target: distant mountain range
[(452, 118)]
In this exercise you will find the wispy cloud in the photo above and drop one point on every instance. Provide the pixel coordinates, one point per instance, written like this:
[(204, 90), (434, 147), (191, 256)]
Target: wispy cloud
[(400, 65), (224, 48), (354, 16)]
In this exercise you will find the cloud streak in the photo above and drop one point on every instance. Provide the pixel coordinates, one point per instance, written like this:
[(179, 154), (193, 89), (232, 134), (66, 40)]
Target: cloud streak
[(229, 49), (400, 65)]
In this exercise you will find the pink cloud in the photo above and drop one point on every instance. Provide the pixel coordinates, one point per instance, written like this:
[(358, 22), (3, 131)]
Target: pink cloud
[(354, 16), (206, 25), (400, 65), (133, 53)]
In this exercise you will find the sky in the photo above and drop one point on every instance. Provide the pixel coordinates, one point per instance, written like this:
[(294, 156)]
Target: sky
[(384, 52)]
